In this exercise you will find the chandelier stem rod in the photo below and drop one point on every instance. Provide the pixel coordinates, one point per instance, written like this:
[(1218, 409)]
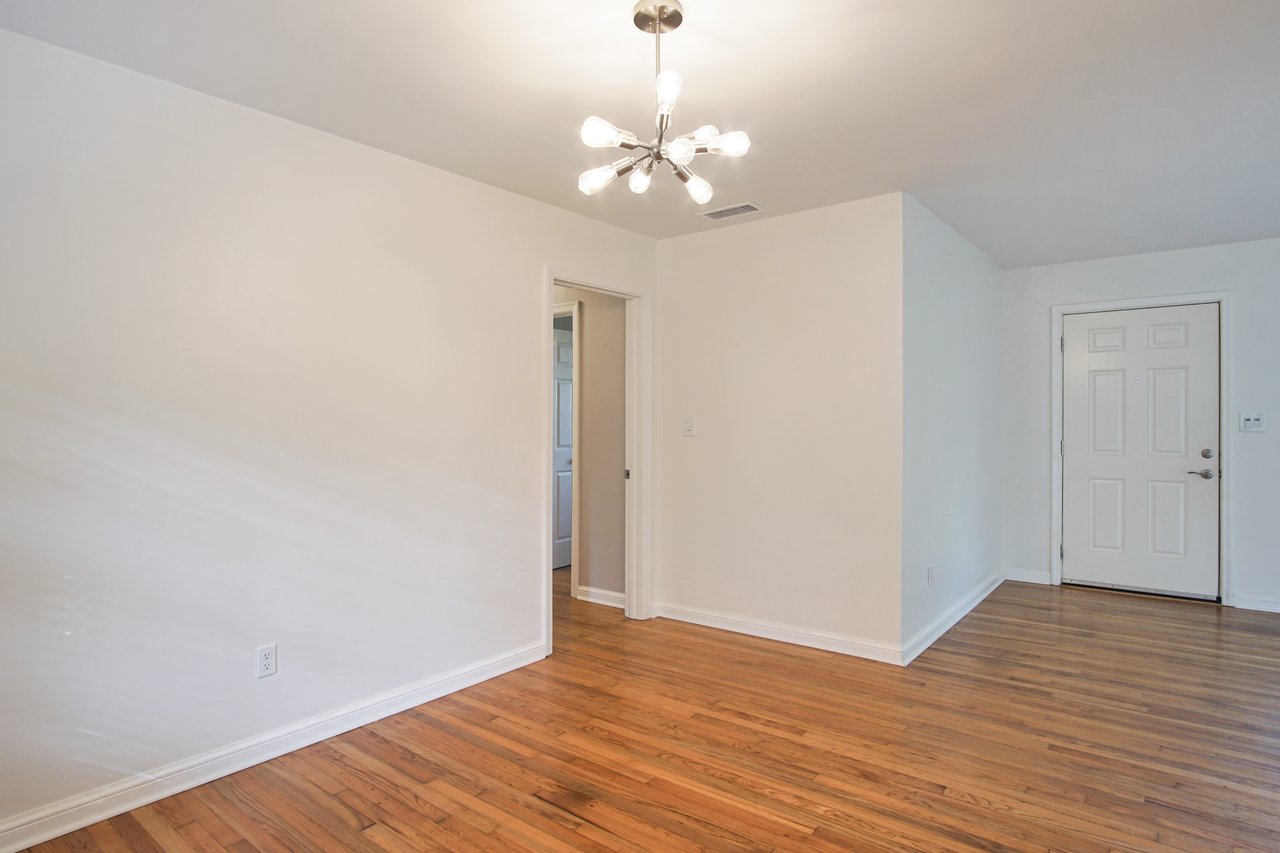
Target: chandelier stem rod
[(657, 47), (662, 120)]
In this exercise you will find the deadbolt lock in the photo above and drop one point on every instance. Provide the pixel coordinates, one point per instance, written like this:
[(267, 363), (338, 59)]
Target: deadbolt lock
[(1207, 453)]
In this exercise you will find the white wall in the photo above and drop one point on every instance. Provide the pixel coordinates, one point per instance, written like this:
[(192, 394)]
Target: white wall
[(1250, 273), (257, 383), (600, 451), (951, 423), (784, 338)]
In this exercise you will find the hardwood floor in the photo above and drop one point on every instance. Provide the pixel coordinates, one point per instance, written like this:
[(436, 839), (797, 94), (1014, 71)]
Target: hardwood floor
[(1049, 719)]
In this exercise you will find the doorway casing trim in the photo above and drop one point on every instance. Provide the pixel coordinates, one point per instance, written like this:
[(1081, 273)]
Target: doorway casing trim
[(1225, 436), (638, 521), (574, 310)]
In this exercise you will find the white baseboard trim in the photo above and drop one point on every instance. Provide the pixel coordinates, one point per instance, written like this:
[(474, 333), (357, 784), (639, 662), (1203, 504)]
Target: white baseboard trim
[(602, 596), (1267, 605), (1040, 576), (811, 637), (842, 643), (76, 812), (926, 636)]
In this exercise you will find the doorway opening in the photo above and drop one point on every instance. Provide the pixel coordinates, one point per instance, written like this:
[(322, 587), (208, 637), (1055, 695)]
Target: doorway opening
[(1141, 446), (566, 428), (592, 439)]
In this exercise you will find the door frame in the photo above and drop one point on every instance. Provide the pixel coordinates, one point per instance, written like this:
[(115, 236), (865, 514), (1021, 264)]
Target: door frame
[(1225, 436), (638, 523), (574, 310)]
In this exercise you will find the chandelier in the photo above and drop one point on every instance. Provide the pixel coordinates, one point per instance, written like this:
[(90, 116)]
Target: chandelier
[(678, 152)]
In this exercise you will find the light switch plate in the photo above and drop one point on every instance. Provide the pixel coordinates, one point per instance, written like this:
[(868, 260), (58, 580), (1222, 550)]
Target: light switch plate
[(1251, 422), (688, 425)]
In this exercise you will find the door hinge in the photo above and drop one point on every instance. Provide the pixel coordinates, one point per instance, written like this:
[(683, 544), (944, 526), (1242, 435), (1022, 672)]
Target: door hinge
[(1062, 447), (626, 473), (1061, 552), (1062, 344)]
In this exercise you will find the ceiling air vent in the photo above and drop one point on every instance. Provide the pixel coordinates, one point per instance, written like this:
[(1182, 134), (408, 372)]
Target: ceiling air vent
[(732, 210)]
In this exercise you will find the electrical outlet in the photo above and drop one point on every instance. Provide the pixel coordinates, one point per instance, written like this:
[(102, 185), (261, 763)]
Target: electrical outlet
[(930, 574), (266, 660)]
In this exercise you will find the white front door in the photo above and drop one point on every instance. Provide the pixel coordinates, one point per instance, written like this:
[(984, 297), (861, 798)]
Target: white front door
[(1140, 450), (562, 451)]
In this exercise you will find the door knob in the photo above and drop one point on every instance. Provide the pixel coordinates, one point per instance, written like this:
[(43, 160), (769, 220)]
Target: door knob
[(1207, 473)]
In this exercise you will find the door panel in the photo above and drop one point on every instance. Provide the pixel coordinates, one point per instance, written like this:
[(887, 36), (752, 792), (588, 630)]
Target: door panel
[(1106, 402), (562, 451), (1167, 411), (564, 508), (1106, 515), (1140, 406), (1167, 519)]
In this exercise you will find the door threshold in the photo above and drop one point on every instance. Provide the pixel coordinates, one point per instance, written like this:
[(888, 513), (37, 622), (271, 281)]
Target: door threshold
[(1139, 590)]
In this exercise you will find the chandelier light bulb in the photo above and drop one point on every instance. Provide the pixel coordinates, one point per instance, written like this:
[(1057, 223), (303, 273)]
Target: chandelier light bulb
[(680, 151), (704, 134), (599, 133), (640, 178), (699, 190), (669, 85), (733, 144), (592, 181)]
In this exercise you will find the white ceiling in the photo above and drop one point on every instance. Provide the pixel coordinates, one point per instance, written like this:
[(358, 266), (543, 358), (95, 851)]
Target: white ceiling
[(1043, 130)]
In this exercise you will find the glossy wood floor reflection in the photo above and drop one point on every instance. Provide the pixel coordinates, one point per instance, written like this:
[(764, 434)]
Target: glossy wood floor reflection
[(1049, 719)]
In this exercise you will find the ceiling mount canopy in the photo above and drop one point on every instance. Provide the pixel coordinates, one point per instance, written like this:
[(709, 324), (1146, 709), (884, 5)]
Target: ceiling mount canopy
[(678, 153), (658, 17)]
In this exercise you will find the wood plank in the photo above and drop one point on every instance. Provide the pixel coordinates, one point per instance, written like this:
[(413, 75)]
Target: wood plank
[(1048, 719)]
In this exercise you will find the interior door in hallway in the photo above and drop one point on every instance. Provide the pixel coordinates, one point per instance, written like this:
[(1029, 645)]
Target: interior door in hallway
[(1140, 493), (562, 451)]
